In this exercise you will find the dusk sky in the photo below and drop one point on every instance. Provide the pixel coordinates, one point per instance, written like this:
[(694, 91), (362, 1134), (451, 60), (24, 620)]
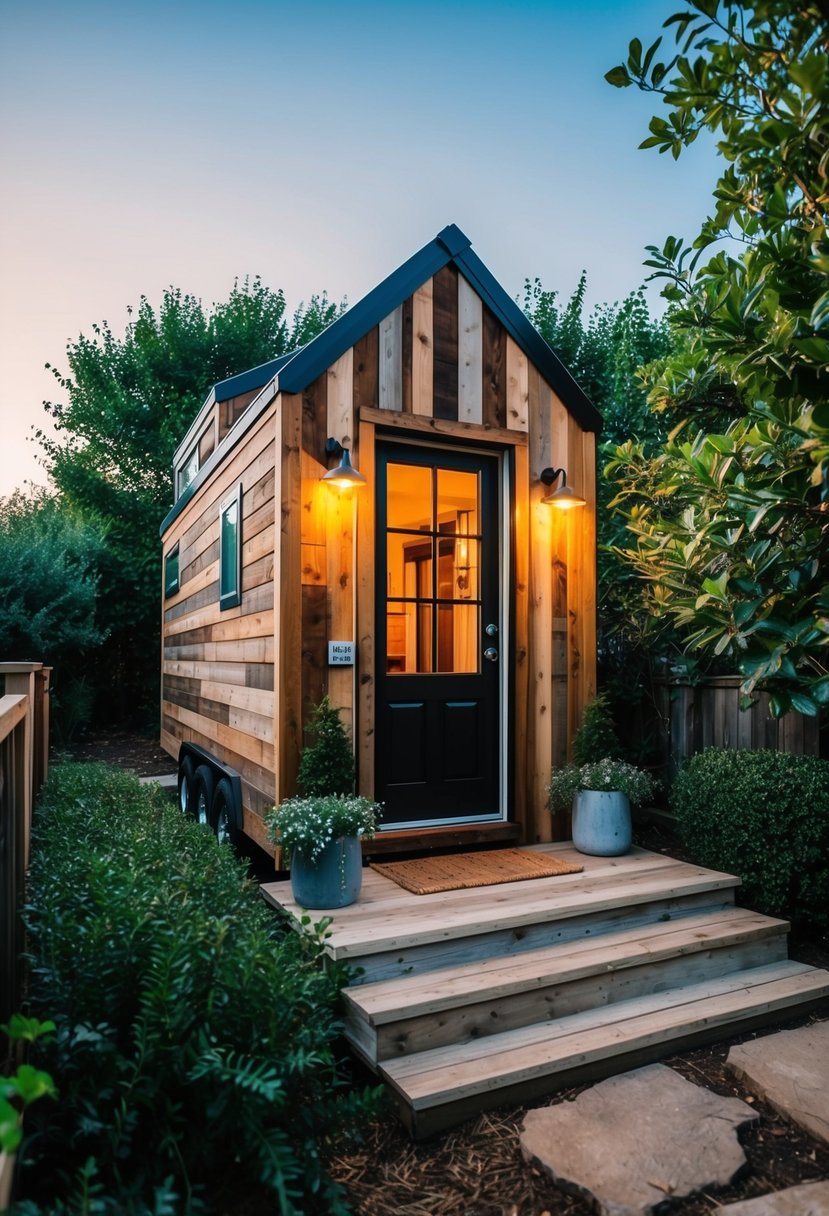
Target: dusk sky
[(318, 145)]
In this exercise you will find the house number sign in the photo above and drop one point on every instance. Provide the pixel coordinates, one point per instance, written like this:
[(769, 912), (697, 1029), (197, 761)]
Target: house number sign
[(340, 654)]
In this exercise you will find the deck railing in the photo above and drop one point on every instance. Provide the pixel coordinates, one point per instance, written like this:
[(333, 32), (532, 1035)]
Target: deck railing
[(24, 760)]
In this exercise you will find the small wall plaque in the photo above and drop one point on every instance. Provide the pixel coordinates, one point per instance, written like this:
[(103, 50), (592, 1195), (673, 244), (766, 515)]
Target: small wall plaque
[(340, 654)]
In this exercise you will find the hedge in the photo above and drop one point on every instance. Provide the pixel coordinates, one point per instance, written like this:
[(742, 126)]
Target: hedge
[(763, 815), (196, 1050)]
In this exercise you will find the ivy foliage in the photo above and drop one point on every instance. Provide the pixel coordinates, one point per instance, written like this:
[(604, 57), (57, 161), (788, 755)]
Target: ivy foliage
[(196, 1041), (763, 815), (730, 520)]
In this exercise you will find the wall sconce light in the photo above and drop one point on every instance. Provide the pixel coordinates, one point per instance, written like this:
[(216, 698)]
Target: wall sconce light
[(344, 476), (564, 497)]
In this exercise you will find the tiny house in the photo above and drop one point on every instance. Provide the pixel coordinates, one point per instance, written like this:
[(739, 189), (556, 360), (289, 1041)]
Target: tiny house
[(440, 599)]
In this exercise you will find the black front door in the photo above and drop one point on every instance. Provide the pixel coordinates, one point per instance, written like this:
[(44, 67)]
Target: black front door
[(438, 710)]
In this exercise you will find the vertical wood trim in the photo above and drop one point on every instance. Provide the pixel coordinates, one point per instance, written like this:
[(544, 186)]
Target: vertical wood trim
[(340, 537), (288, 597), (365, 558), (470, 354), (340, 402), (390, 370), (423, 350), (494, 380), (521, 657), (540, 621), (556, 456), (445, 329), (517, 387), (366, 371), (406, 355), (581, 586)]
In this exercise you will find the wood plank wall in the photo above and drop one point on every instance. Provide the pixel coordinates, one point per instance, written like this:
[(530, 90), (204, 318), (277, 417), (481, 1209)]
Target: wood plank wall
[(442, 365), (218, 666)]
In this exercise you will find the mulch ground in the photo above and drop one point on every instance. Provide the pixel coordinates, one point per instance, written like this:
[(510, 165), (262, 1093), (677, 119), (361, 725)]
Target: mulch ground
[(477, 1169)]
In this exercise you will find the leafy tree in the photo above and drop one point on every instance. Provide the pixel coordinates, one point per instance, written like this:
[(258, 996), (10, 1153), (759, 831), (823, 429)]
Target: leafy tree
[(731, 519), (604, 351), (49, 573), (126, 402)]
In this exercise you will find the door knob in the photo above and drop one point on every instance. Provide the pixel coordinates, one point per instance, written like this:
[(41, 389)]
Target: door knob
[(491, 653), (491, 631)]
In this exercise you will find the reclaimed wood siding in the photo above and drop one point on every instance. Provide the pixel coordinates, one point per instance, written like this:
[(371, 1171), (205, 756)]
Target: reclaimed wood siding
[(442, 365), (218, 666)]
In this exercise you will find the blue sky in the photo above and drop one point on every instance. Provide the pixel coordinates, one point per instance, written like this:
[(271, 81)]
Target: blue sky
[(317, 145)]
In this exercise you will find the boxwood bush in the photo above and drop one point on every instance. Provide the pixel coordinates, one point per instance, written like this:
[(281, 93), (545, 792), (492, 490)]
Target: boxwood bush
[(196, 1045), (763, 815)]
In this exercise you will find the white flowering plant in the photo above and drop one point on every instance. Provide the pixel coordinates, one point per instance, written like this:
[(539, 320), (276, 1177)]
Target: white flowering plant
[(309, 824), (606, 775)]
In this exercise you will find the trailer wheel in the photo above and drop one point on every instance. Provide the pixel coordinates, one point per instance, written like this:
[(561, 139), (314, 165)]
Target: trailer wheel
[(202, 794), (223, 813), (186, 791)]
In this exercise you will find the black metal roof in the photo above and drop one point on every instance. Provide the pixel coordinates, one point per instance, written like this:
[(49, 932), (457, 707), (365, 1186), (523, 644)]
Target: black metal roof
[(299, 368)]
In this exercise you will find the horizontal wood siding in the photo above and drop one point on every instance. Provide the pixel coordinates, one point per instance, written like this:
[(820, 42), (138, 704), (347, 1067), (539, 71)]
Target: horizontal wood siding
[(218, 666)]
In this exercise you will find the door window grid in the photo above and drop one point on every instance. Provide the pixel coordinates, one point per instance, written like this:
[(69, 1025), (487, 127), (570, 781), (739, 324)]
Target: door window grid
[(433, 604)]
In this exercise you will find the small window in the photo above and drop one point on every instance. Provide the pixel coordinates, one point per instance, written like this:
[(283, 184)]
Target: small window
[(188, 470), (230, 550), (171, 573)]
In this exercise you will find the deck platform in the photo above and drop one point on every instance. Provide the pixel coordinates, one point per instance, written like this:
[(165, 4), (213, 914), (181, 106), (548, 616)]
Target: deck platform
[(467, 999)]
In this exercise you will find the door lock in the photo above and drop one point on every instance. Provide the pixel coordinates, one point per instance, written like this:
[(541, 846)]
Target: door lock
[(491, 653), (491, 631)]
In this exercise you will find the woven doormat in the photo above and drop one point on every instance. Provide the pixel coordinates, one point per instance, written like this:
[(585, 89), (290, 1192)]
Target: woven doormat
[(454, 872)]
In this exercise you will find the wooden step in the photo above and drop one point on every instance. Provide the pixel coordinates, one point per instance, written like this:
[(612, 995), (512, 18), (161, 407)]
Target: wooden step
[(391, 932), (485, 997), (443, 1086)]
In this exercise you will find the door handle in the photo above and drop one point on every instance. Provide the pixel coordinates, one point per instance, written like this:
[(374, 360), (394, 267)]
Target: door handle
[(491, 653)]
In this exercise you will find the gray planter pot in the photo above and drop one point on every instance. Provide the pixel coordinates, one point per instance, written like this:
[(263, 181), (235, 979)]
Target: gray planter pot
[(334, 880), (602, 824)]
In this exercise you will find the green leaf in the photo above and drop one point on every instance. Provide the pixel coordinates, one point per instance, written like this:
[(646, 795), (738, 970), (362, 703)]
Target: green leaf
[(619, 77)]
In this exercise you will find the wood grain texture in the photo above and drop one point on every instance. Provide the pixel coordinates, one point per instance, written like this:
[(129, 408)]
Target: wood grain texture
[(366, 370), (289, 593), (390, 374), (314, 647), (340, 398), (470, 354), (445, 323), (517, 387), (365, 667), (494, 387), (520, 808), (423, 351)]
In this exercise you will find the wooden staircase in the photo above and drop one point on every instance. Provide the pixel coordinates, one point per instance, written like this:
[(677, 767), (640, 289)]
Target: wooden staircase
[(470, 999)]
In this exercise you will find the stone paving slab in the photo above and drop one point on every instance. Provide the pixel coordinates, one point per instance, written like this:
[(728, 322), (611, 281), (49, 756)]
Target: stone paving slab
[(810, 1199), (790, 1070), (638, 1139)]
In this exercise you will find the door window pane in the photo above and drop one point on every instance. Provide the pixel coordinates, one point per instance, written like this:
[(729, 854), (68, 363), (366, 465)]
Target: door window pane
[(409, 497), (458, 630), (409, 568), (458, 502), (458, 563)]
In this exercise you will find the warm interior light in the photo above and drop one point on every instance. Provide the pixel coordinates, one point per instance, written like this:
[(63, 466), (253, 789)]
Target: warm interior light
[(565, 496), (344, 476)]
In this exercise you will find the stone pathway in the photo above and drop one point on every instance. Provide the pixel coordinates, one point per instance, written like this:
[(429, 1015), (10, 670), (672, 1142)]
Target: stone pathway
[(790, 1070), (636, 1140), (811, 1199)]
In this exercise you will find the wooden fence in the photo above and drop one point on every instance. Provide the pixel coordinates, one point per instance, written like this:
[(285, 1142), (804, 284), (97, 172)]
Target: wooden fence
[(24, 760), (694, 717)]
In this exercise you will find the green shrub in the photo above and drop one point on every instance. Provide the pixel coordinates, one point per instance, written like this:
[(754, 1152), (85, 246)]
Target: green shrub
[(196, 1040), (327, 766), (765, 816), (596, 738)]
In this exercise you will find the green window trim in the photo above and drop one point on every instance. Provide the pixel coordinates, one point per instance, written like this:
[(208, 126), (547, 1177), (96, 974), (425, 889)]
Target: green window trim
[(230, 550), (171, 572)]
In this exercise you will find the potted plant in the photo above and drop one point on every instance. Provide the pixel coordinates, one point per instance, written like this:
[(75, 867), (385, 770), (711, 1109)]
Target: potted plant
[(320, 830), (321, 836), (600, 787)]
